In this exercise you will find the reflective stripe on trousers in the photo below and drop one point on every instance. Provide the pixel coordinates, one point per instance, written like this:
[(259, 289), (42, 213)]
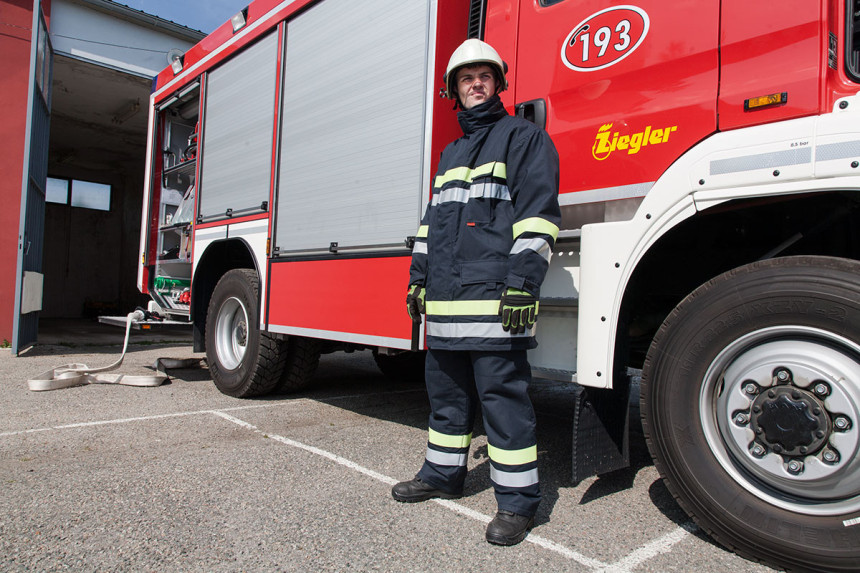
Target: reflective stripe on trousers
[(458, 382)]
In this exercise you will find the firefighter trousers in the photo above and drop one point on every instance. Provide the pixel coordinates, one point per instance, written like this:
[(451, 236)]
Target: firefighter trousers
[(457, 382)]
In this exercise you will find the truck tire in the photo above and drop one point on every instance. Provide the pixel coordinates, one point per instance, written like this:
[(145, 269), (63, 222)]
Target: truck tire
[(243, 361), (402, 367), (750, 401), (303, 357)]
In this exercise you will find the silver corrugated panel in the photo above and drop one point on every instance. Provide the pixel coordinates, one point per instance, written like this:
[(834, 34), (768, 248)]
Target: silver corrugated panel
[(240, 115), (353, 124)]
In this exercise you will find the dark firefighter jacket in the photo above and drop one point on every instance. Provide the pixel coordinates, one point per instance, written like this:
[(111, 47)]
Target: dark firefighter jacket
[(491, 224)]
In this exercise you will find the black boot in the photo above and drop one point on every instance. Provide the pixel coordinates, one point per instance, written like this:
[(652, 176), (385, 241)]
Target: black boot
[(416, 490), (508, 528)]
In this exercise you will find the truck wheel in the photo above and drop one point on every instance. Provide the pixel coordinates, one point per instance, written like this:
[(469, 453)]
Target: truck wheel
[(303, 357), (402, 367), (243, 361), (751, 408)]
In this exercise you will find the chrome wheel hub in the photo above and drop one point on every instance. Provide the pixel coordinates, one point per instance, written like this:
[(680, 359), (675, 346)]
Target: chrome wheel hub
[(231, 333), (780, 408)]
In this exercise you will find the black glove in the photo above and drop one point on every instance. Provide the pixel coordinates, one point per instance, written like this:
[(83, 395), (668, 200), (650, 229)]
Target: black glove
[(415, 303), (518, 310)]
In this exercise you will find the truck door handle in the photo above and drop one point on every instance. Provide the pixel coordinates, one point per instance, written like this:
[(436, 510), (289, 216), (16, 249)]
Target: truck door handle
[(533, 111)]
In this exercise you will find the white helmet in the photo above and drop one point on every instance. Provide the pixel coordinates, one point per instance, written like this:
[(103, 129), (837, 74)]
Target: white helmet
[(473, 51)]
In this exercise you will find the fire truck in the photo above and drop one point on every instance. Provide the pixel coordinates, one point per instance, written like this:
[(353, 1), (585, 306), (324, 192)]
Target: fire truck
[(710, 178)]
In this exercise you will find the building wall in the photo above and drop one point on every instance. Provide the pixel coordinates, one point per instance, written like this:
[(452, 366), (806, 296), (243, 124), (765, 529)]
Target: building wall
[(16, 20), (86, 34)]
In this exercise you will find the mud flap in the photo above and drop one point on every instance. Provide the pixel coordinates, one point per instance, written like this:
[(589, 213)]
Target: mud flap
[(601, 427)]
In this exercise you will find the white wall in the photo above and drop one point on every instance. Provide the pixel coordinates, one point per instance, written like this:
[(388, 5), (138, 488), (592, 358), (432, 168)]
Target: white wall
[(83, 32)]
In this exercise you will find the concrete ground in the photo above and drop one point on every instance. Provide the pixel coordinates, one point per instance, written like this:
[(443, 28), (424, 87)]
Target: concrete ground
[(182, 478)]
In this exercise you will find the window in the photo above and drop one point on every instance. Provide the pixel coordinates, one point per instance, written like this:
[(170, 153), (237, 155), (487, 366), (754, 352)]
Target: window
[(852, 40), (90, 195), (44, 56), (85, 194), (57, 191)]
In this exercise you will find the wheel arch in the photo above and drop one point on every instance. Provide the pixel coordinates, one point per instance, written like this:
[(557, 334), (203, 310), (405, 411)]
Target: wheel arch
[(724, 237), (689, 192), (633, 279), (218, 257)]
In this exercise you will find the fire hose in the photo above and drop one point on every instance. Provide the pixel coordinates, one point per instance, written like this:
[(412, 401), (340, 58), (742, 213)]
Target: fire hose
[(76, 374)]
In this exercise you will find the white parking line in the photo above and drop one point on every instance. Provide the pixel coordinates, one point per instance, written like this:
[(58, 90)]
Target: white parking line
[(194, 413), (316, 451), (136, 419), (658, 546), (636, 558), (662, 545)]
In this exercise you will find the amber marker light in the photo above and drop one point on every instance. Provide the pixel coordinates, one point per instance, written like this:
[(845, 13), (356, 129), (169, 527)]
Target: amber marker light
[(765, 101)]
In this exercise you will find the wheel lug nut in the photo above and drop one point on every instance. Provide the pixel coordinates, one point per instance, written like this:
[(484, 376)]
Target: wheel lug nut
[(842, 423), (821, 389), (830, 456), (750, 388), (783, 375), (795, 466), (741, 419), (758, 450)]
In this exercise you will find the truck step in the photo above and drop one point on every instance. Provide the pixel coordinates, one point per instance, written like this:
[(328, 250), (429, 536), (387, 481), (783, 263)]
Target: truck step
[(144, 324)]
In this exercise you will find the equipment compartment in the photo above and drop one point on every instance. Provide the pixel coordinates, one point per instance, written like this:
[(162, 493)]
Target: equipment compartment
[(171, 281)]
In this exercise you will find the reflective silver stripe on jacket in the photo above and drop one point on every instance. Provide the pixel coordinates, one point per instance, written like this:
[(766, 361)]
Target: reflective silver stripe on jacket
[(513, 479), (536, 244), (445, 458), (472, 330), (476, 191), (419, 247)]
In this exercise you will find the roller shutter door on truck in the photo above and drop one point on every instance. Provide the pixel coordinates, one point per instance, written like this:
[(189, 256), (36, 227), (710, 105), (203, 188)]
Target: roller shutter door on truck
[(353, 125), (240, 112)]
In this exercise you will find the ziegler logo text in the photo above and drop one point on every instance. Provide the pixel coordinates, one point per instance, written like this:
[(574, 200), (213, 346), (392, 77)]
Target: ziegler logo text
[(606, 141)]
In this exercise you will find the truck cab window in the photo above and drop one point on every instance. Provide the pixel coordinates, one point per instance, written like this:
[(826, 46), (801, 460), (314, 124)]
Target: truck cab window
[(852, 39)]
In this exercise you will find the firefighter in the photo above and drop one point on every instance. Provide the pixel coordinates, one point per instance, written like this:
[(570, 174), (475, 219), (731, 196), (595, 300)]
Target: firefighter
[(481, 253)]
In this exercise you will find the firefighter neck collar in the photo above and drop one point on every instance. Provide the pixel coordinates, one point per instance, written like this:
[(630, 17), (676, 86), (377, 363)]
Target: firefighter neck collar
[(482, 115)]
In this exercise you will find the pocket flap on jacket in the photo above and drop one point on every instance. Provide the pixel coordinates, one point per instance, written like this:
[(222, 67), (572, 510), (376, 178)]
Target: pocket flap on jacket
[(478, 272)]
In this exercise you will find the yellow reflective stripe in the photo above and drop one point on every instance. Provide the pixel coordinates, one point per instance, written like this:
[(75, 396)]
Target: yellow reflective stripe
[(458, 173), (535, 225), (422, 231), (448, 441), (513, 457), (468, 175), (462, 307)]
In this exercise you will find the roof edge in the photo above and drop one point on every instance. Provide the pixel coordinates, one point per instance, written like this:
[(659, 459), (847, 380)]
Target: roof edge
[(140, 17)]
